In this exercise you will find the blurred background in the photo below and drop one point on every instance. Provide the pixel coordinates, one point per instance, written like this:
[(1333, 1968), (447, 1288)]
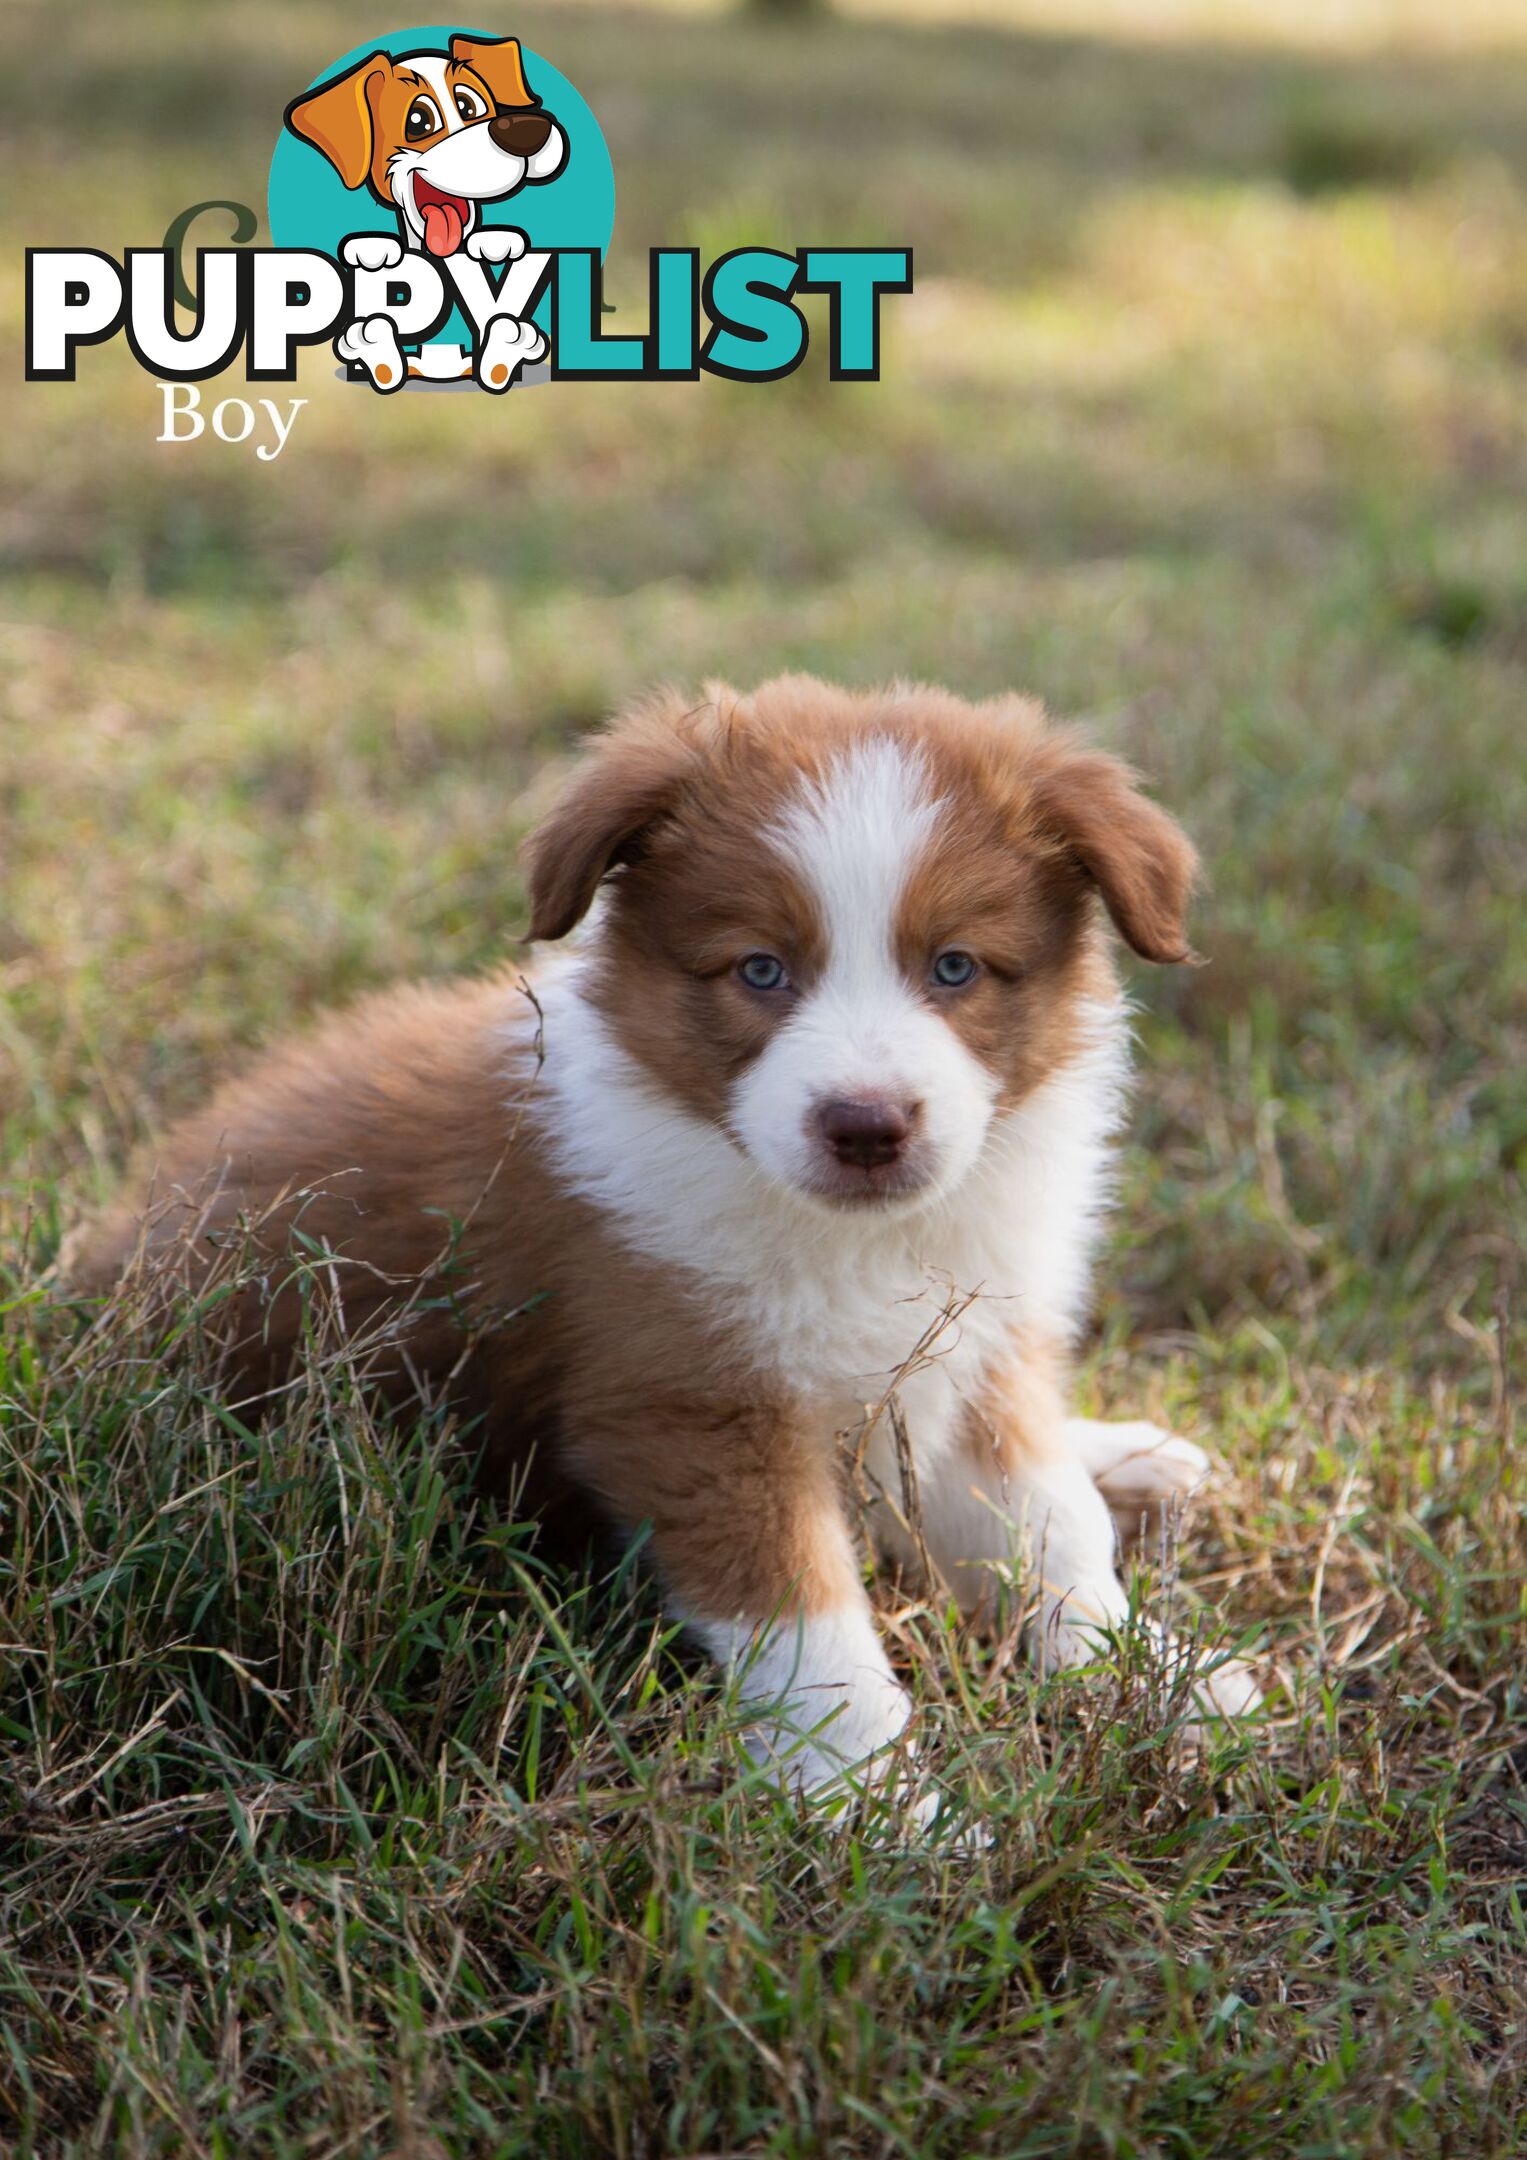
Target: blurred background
[(1205, 422)]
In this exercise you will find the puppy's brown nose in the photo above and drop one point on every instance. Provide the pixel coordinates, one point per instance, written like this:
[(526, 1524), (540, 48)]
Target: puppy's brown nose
[(520, 131), (867, 1131)]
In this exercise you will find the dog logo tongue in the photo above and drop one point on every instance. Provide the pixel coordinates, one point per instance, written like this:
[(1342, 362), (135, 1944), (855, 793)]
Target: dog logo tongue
[(442, 226), (443, 215)]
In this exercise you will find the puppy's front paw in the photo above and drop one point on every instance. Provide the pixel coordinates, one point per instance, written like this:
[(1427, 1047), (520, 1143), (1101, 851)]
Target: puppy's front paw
[(883, 1790), (1227, 1688), (1142, 1471), (825, 1732), (373, 344), (372, 251), (1222, 1690), (496, 244), (1221, 1687), (508, 346), (1133, 1461)]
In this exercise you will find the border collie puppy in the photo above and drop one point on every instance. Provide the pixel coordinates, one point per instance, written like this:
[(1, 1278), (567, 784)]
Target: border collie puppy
[(774, 1199)]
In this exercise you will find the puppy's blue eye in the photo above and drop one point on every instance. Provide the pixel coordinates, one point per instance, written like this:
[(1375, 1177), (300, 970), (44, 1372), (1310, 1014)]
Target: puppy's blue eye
[(761, 971), (952, 970)]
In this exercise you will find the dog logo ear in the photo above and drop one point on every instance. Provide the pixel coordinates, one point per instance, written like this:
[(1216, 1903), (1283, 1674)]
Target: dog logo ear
[(498, 62), (1141, 860), (336, 118)]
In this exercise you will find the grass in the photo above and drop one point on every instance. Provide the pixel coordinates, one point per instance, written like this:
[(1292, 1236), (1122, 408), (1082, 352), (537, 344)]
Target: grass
[(334, 1820)]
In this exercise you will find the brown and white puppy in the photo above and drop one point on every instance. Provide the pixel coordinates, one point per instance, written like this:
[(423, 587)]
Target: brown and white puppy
[(434, 134), (806, 1138)]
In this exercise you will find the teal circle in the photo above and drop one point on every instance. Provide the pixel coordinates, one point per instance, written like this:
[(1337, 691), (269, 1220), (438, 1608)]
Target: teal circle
[(309, 205)]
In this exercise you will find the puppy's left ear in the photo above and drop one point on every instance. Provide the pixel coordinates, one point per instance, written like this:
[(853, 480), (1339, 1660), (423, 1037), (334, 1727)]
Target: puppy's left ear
[(1141, 860), (498, 61), (630, 782)]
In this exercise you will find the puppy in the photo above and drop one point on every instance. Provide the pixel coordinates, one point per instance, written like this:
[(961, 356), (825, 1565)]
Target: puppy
[(775, 1198), (434, 134)]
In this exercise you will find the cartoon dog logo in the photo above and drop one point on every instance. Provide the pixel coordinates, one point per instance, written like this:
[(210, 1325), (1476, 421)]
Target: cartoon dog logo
[(432, 136)]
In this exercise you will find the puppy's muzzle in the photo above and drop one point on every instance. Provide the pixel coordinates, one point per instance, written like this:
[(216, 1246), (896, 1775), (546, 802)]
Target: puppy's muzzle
[(520, 133)]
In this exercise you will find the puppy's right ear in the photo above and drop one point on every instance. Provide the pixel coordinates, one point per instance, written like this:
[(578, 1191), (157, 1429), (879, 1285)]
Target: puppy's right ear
[(632, 780), (336, 118)]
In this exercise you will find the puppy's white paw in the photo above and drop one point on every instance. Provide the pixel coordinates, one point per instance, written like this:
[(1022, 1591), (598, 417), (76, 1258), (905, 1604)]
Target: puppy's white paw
[(508, 346), (372, 251), (1136, 1465), (496, 244), (1223, 1687), (1227, 1688), (835, 1731), (372, 343), (899, 1808)]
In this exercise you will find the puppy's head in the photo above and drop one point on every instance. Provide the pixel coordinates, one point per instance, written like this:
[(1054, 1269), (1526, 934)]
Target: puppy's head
[(852, 930), (434, 134)]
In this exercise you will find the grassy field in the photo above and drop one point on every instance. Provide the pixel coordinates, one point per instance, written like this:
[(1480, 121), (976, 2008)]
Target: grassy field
[(333, 1822)]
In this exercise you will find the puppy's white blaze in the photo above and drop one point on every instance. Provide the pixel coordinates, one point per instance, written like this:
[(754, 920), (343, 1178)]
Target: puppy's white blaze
[(854, 837), (801, 1672)]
